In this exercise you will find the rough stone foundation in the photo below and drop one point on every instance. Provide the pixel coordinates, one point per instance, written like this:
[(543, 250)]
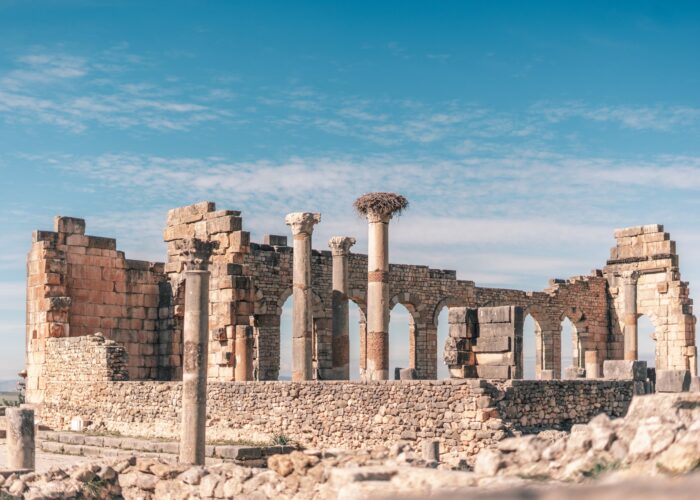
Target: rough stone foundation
[(463, 415)]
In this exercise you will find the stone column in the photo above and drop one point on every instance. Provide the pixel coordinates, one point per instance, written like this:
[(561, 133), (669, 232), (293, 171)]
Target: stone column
[(244, 353), (20, 438), (378, 208), (195, 337), (340, 248), (629, 284), (302, 224), (591, 364)]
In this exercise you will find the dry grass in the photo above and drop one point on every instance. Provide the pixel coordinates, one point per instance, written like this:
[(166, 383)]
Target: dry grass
[(381, 203)]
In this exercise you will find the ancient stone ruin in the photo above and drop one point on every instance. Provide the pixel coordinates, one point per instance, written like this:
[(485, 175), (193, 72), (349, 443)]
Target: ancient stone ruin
[(104, 331)]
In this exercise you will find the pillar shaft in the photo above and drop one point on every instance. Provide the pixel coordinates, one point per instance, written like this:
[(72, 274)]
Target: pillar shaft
[(378, 298), (302, 224), (20, 438), (340, 247), (194, 370), (630, 316), (244, 353)]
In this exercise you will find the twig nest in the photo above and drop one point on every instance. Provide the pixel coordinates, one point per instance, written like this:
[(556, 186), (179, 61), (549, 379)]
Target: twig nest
[(381, 204)]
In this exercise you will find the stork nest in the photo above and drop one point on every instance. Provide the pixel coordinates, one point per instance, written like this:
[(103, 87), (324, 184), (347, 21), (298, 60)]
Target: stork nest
[(381, 203)]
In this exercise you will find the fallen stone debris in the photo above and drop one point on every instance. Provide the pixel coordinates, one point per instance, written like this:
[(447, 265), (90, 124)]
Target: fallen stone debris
[(659, 439)]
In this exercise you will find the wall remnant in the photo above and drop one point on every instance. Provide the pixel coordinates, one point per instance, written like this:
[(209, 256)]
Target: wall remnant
[(78, 285)]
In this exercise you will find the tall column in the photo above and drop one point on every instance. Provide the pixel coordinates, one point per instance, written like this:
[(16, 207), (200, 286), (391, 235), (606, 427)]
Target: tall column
[(340, 248), (302, 225), (378, 208), (195, 254), (629, 283), (20, 438)]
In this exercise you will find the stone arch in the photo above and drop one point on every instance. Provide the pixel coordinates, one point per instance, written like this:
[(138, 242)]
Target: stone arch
[(359, 298), (579, 322), (422, 338), (542, 348), (449, 301), (432, 328)]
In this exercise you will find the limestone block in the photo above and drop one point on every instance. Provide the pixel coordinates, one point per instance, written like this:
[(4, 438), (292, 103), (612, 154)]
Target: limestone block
[(494, 314), (70, 225), (457, 315), (573, 373), (494, 358), (546, 374), (492, 344), (618, 369), (492, 330), (275, 240), (225, 224), (190, 213), (407, 374), (493, 371), (672, 380)]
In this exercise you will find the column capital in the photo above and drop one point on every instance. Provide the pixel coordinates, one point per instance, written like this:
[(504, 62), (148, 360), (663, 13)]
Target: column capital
[(340, 245), (629, 277), (302, 222), (194, 252), (378, 217)]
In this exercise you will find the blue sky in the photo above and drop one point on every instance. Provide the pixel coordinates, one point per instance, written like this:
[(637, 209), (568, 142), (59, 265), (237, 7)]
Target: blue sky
[(523, 133)]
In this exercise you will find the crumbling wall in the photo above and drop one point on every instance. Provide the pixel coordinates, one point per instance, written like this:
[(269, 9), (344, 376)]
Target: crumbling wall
[(645, 257), (79, 285), (581, 299), (464, 415)]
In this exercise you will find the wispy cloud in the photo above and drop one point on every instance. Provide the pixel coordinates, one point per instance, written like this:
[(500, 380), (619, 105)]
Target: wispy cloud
[(74, 93), (659, 118)]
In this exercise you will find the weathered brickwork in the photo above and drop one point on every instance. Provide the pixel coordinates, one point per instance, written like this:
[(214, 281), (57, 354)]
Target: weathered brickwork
[(465, 415), (78, 285)]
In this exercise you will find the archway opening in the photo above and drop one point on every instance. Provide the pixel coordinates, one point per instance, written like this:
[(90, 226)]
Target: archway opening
[(646, 341), (529, 348), (443, 331), (400, 332), (285, 371), (567, 345), (356, 319)]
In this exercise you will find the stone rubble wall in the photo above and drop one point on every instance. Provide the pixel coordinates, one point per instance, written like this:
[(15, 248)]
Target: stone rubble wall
[(465, 415), (90, 358), (78, 285)]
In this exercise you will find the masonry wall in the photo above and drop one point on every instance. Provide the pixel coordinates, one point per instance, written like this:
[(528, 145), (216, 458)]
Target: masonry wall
[(647, 256), (87, 359), (79, 285), (464, 415)]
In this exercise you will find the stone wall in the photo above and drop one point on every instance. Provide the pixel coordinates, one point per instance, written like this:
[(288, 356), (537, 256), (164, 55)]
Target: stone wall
[(464, 415), (87, 359), (645, 257), (79, 285)]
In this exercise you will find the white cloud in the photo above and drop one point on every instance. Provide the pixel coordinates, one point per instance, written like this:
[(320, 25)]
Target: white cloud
[(659, 118)]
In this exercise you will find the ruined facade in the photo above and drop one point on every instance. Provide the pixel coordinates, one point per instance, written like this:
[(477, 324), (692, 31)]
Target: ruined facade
[(79, 285)]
